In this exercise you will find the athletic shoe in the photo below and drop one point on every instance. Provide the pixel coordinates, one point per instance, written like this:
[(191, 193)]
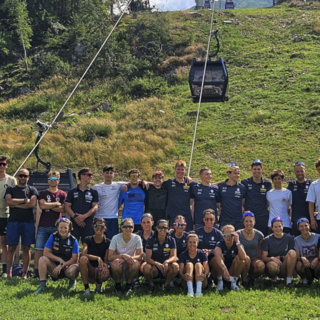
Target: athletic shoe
[(117, 287), (98, 288), (171, 284), (128, 288), (220, 285), (72, 285), (245, 284), (289, 285), (87, 293), (136, 283), (190, 294), (199, 295), (150, 288), (40, 289), (167, 288), (234, 286), (251, 282)]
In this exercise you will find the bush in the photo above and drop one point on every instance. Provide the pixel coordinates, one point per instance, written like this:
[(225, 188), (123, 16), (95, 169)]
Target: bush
[(53, 65), (148, 87), (97, 129)]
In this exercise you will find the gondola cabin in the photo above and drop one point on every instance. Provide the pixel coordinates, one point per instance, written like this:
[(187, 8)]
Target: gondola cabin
[(215, 83), (229, 5)]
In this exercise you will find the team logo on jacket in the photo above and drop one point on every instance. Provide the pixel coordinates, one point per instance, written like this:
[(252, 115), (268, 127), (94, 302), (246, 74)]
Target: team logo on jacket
[(167, 245), (212, 238)]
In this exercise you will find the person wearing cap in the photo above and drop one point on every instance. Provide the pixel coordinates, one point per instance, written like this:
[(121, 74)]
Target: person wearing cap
[(156, 197), (256, 200), (5, 181), (108, 192), (299, 189), (81, 205), (205, 195), (313, 198), (279, 200), (51, 203), (179, 195), (307, 250), (277, 252), (232, 196)]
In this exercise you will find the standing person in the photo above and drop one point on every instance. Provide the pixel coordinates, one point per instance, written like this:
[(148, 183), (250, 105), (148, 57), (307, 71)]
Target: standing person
[(161, 257), (313, 197), (51, 202), (21, 199), (94, 258), (81, 205), (299, 189), (179, 195), (193, 267), (229, 258), (205, 195), (156, 197), (280, 200), (256, 196), (232, 196), (125, 255), (251, 239), (108, 192), (307, 249), (5, 181), (133, 200), (60, 256), (277, 252)]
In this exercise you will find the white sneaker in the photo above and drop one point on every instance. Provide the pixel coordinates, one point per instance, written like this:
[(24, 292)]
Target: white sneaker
[(190, 294), (234, 286), (87, 293), (220, 285)]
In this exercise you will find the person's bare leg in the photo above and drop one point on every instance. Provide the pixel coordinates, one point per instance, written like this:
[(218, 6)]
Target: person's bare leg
[(149, 273), (26, 257), (199, 271), (10, 256), (132, 271), (258, 268), (37, 255), (173, 270), (116, 271), (244, 273), (288, 265), (84, 270)]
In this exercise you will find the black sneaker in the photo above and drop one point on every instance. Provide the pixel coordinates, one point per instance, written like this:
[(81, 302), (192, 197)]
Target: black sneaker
[(117, 287), (150, 288), (245, 284), (167, 288), (251, 282), (289, 285), (274, 284), (128, 288)]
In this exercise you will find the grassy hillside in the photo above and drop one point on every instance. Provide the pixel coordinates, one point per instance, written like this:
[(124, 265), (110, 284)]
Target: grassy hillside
[(272, 56)]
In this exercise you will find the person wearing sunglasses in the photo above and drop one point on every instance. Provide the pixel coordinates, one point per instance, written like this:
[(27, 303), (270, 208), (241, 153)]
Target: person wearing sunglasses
[(133, 200), (60, 256), (277, 252), (51, 202), (179, 234), (313, 198), (21, 200), (307, 249), (161, 257), (251, 239), (299, 189), (205, 195), (81, 205), (5, 181), (208, 235), (232, 196), (229, 258), (94, 258), (125, 255), (193, 267), (280, 201), (256, 200)]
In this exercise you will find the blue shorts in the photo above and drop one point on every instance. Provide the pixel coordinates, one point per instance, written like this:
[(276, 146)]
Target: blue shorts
[(43, 235), (24, 229), (112, 227)]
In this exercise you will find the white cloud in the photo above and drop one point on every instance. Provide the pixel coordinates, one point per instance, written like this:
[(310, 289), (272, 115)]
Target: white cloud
[(172, 5)]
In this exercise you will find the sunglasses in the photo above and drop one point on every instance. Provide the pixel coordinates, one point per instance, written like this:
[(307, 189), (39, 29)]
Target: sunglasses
[(299, 163), (53, 179), (228, 235), (162, 228), (148, 215), (179, 224), (257, 161), (250, 214), (3, 164), (302, 220), (89, 175), (127, 227), (134, 176), (276, 219), (181, 162), (64, 220), (209, 219), (23, 176), (99, 226)]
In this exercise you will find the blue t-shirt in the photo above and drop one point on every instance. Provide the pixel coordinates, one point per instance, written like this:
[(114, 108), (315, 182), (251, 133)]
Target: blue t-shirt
[(300, 207), (228, 254), (180, 242), (133, 201), (208, 240), (205, 197), (231, 203), (185, 258), (255, 199), (161, 252), (179, 195)]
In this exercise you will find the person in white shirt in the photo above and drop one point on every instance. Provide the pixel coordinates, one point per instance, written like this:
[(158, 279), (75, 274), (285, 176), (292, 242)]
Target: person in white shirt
[(280, 201), (108, 192)]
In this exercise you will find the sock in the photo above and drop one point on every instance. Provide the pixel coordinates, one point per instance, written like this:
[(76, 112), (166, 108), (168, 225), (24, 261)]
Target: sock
[(86, 286), (4, 268), (219, 279), (199, 286), (190, 286), (43, 283), (288, 280)]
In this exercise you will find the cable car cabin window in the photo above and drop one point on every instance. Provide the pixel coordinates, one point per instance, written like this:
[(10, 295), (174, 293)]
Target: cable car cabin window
[(229, 5)]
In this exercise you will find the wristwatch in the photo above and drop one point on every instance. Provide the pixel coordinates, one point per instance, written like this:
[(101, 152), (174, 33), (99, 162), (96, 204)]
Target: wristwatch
[(26, 199), (237, 243), (61, 263)]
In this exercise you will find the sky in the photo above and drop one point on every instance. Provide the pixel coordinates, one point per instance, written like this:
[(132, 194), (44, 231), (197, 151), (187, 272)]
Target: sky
[(171, 5)]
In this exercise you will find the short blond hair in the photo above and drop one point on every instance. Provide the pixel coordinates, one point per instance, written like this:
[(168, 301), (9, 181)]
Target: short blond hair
[(54, 174)]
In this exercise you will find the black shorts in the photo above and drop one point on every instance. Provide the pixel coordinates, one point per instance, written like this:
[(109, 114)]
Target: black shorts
[(61, 275), (160, 275), (3, 226)]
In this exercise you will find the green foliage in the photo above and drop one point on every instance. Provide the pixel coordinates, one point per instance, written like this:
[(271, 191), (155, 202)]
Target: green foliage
[(51, 64), (97, 129), (147, 87)]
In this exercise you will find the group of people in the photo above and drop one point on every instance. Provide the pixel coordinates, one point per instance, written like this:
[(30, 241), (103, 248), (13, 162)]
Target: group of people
[(178, 230)]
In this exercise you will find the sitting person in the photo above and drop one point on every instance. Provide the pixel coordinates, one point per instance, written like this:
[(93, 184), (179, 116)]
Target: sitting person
[(307, 250), (193, 267), (60, 256), (229, 258), (125, 255), (94, 258), (179, 234), (277, 252), (161, 257), (251, 240)]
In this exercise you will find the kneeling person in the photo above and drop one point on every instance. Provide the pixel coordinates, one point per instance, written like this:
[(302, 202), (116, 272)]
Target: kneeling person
[(94, 258), (60, 256)]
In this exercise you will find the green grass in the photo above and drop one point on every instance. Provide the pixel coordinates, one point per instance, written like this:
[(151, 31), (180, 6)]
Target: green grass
[(261, 302)]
